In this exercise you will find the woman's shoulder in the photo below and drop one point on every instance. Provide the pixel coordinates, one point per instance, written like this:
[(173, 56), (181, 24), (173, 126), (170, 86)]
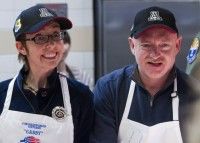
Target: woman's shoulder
[(3, 91), (77, 88), (4, 86)]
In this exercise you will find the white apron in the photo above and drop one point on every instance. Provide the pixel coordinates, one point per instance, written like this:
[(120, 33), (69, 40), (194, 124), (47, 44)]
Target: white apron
[(134, 132), (20, 127)]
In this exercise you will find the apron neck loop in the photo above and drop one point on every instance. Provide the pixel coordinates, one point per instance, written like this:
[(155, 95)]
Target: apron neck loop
[(175, 102)]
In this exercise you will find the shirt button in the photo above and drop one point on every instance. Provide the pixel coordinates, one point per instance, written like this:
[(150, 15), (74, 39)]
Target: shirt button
[(44, 94)]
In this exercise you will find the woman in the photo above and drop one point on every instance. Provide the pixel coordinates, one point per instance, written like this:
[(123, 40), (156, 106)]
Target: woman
[(40, 104)]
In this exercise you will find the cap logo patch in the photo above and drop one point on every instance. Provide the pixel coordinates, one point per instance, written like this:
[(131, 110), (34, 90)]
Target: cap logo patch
[(154, 16), (44, 12), (18, 25)]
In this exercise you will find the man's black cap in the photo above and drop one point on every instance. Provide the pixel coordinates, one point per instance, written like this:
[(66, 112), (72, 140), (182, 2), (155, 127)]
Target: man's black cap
[(35, 18), (152, 16)]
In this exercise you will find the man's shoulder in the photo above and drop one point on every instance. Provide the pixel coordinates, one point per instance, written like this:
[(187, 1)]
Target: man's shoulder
[(188, 84), (184, 78), (188, 79), (119, 74)]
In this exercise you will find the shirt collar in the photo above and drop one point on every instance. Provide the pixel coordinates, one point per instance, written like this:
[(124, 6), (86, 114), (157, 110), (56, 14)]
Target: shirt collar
[(51, 79), (136, 77)]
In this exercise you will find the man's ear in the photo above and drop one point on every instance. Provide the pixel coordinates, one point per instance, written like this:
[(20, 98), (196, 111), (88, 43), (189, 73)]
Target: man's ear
[(178, 43), (20, 48), (131, 45)]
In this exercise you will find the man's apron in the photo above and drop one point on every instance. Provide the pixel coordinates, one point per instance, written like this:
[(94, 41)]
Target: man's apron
[(134, 132)]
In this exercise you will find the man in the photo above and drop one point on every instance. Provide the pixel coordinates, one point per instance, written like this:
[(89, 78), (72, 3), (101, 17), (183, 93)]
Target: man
[(148, 102), (193, 58), (41, 104)]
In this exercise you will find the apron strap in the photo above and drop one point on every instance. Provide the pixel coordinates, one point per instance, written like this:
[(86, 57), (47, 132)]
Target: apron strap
[(65, 93), (64, 86), (175, 101), (129, 100), (9, 95)]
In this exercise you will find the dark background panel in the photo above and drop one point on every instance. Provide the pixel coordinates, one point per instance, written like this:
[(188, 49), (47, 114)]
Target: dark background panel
[(113, 21)]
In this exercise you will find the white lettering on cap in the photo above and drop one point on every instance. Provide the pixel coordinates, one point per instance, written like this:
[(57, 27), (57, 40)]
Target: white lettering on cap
[(154, 16), (44, 12)]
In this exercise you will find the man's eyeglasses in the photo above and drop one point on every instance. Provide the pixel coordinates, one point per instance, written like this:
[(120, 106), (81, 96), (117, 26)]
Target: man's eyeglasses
[(42, 39)]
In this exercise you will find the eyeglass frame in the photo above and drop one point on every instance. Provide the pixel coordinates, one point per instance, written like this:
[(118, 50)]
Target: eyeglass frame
[(49, 37)]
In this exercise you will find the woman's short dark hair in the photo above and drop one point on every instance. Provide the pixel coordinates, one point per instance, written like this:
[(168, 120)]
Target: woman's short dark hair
[(23, 58), (67, 38)]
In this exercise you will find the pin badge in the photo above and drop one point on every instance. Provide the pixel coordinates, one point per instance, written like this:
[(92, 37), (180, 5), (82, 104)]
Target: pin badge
[(59, 113)]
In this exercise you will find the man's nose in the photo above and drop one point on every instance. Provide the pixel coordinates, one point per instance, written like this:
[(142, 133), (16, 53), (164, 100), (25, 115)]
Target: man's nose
[(155, 52)]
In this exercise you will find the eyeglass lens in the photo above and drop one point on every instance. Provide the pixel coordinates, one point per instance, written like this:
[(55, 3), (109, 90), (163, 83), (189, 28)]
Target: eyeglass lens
[(41, 39)]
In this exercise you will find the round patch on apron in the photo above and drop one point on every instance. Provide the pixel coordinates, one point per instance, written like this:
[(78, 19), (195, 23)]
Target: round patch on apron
[(59, 113)]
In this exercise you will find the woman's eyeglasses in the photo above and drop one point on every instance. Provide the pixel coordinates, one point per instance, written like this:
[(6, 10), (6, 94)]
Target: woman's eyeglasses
[(42, 39)]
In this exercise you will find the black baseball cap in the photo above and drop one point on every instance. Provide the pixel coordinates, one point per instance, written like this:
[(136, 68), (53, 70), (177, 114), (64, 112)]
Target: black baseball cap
[(35, 18), (152, 16)]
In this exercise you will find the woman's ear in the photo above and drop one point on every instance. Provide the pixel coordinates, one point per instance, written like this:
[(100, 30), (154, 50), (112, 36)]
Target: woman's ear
[(20, 48)]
